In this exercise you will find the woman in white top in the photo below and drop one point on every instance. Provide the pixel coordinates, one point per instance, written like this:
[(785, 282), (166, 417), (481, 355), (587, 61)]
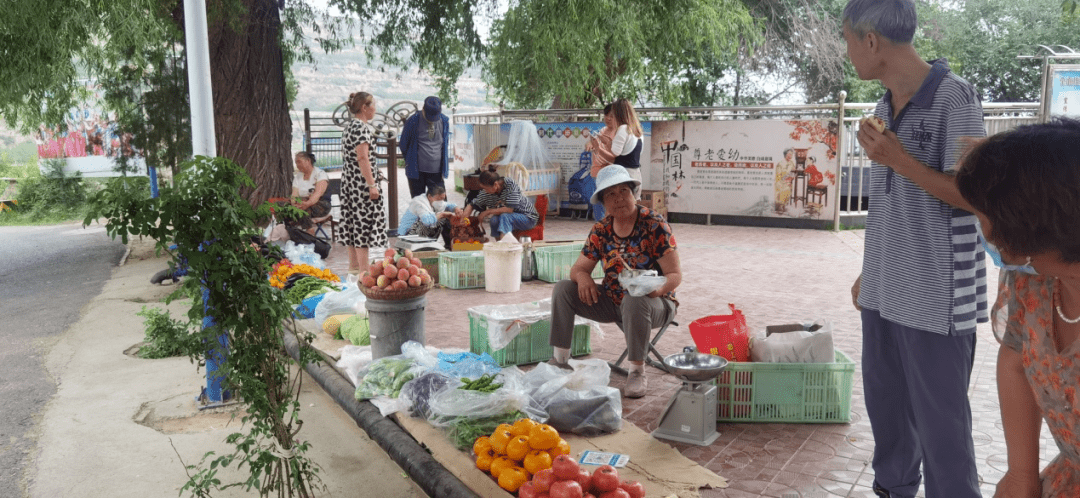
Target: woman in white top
[(429, 215), (626, 144), (309, 185)]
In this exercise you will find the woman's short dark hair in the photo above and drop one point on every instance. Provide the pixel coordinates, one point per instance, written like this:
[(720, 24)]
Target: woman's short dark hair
[(1027, 183), (434, 190), (489, 177)]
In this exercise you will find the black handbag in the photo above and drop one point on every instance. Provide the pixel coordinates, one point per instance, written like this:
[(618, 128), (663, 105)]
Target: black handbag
[(300, 236)]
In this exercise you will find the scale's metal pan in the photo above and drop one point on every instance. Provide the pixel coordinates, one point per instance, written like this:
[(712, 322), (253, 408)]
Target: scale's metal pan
[(695, 367)]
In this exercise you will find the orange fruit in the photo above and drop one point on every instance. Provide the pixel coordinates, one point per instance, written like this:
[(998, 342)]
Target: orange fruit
[(562, 448), (512, 478), (499, 464), (523, 426), (482, 444), (483, 460), (517, 448), (499, 439), (543, 437), (537, 460), (504, 427)]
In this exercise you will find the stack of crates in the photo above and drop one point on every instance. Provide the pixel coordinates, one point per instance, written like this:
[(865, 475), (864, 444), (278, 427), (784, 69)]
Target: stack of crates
[(553, 263), (461, 270), (531, 345)]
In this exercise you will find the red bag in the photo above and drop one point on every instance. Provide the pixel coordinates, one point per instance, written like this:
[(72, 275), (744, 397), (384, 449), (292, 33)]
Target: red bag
[(723, 335)]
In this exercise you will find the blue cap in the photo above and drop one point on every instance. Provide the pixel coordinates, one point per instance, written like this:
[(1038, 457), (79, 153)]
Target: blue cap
[(432, 107)]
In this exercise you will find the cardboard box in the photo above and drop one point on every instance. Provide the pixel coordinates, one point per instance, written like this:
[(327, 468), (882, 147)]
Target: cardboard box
[(655, 200)]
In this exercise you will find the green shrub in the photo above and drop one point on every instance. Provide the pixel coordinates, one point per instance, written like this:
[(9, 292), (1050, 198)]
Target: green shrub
[(165, 336), (52, 195)]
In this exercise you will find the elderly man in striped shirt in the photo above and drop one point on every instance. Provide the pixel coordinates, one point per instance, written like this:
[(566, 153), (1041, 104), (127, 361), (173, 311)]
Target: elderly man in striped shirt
[(923, 283), (501, 201)]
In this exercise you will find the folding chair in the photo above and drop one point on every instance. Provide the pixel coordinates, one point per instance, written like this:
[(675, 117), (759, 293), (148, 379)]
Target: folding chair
[(332, 194), (659, 361)]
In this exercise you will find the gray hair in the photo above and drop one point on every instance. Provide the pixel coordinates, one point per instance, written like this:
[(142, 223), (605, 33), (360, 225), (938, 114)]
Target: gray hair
[(893, 19)]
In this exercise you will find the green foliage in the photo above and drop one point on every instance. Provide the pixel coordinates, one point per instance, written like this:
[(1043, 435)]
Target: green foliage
[(166, 336), (52, 196), (207, 219), (579, 54)]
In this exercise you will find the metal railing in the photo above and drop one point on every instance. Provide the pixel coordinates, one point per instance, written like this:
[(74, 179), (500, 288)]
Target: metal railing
[(854, 182)]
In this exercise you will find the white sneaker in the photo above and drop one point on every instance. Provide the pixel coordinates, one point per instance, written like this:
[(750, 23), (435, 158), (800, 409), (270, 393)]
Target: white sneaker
[(636, 384)]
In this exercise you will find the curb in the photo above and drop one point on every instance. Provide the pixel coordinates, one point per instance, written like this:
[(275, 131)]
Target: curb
[(414, 459)]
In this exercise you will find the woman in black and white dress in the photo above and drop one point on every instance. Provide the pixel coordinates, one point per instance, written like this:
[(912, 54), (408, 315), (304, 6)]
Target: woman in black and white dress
[(363, 223)]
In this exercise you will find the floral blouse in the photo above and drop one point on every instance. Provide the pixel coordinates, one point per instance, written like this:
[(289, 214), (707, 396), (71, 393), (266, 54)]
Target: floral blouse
[(1023, 321), (650, 240)]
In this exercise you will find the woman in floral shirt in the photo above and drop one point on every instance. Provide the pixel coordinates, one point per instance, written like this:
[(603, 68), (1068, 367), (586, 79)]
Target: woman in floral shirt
[(629, 237), (1025, 185)]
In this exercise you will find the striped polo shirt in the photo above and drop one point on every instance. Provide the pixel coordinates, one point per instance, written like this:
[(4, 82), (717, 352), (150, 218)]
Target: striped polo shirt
[(923, 265), (509, 197)]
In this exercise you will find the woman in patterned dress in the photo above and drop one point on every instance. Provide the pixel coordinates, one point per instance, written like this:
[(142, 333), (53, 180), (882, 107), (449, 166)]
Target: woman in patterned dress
[(1025, 185), (363, 218)]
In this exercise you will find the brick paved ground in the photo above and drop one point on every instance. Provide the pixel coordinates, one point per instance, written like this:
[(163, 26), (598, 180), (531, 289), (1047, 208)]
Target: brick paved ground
[(775, 276)]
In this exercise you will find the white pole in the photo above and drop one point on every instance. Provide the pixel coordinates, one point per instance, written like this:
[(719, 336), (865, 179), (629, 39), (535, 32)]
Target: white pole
[(199, 91)]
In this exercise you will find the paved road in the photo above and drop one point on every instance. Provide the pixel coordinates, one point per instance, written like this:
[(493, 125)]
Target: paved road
[(47, 275)]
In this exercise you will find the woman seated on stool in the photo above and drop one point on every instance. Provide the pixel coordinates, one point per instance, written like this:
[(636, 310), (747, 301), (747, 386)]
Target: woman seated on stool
[(429, 215), (309, 185), (1025, 187), (630, 237), (501, 200)]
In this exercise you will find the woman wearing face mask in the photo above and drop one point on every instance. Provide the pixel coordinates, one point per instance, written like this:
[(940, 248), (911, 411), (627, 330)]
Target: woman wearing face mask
[(429, 215), (1025, 186)]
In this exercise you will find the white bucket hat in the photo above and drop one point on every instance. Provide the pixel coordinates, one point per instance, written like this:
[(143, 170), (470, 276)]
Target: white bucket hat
[(611, 176)]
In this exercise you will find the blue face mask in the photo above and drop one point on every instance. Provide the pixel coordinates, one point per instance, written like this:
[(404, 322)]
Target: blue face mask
[(995, 255)]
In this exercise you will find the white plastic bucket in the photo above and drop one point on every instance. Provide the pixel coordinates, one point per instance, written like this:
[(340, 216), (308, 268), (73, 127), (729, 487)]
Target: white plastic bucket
[(502, 267)]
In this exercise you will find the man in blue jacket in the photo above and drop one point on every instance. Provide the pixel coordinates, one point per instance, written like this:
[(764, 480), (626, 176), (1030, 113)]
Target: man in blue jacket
[(424, 142)]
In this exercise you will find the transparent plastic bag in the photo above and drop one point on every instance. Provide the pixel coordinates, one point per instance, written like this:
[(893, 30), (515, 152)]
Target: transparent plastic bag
[(353, 360), (385, 377), (467, 364), (506, 321), (419, 391), (579, 402), (451, 404), (641, 282), (808, 342), (303, 254), (349, 301)]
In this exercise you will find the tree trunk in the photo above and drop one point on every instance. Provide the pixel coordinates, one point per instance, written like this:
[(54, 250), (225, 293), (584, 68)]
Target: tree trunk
[(251, 113)]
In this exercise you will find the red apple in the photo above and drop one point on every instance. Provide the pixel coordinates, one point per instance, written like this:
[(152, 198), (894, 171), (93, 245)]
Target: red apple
[(403, 264), (416, 261), (585, 480), (367, 281), (403, 274), (389, 253), (605, 479), (589, 495), (543, 480), (400, 285), (414, 271), (390, 272), (408, 253), (414, 281), (565, 468), (566, 489), (528, 490), (618, 493), (634, 488)]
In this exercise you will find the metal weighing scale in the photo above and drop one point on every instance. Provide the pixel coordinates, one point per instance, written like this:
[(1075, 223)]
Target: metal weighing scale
[(417, 243), (690, 416)]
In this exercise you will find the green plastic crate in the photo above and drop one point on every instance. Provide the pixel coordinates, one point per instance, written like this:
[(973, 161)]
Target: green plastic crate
[(553, 263), (461, 269), (786, 392), (430, 262), (529, 346)]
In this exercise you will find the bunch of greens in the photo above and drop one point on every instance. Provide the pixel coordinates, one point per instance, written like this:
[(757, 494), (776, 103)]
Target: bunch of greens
[(307, 287), (464, 431), (385, 377)]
